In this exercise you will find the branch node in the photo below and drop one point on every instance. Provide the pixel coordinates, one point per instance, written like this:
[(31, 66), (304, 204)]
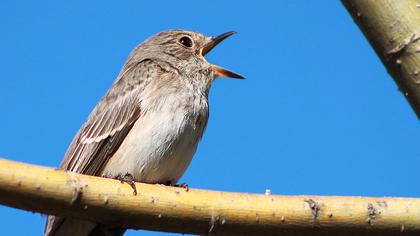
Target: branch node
[(403, 45), (78, 188), (372, 213), (106, 200), (213, 222), (314, 206), (382, 204)]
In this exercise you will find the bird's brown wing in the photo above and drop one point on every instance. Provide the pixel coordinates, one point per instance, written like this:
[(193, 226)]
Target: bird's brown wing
[(107, 125), (110, 121)]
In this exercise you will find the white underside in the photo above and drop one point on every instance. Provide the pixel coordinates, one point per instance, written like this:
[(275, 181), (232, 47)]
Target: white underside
[(161, 144)]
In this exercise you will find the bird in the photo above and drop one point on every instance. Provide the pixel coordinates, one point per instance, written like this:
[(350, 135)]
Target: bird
[(147, 126)]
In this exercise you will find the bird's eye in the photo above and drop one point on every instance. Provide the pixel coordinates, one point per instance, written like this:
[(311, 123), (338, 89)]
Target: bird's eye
[(186, 41)]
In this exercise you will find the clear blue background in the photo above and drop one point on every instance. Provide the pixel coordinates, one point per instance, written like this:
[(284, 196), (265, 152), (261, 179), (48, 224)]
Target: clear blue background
[(318, 114)]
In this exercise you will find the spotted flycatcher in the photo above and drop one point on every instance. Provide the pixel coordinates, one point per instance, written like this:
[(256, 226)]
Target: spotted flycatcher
[(148, 124)]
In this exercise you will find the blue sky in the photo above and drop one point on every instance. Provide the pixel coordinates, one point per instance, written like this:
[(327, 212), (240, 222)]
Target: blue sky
[(318, 114)]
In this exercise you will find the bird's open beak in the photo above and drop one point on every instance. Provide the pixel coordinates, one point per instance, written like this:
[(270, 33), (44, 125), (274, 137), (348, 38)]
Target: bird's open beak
[(219, 71)]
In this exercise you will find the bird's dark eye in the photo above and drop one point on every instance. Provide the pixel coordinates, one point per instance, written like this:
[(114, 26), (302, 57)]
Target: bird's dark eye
[(186, 41)]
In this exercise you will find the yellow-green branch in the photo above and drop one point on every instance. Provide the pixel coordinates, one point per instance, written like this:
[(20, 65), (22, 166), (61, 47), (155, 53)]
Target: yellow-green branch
[(163, 208), (393, 29)]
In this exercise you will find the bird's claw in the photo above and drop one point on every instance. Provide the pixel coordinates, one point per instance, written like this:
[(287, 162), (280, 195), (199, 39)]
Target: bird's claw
[(183, 185), (129, 179)]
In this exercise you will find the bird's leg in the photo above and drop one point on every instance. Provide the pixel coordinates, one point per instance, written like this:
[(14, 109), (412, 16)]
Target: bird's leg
[(129, 179), (183, 185)]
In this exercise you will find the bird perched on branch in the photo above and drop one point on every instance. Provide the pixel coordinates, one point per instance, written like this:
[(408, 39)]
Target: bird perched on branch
[(147, 126)]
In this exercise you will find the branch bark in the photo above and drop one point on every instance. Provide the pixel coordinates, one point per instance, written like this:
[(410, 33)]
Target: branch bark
[(163, 208), (393, 29)]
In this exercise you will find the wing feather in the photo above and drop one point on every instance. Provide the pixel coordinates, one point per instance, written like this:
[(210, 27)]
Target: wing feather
[(107, 125), (110, 121)]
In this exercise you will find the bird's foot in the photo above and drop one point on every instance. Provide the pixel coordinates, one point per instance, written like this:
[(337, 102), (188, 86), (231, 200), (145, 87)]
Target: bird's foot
[(129, 179), (183, 185)]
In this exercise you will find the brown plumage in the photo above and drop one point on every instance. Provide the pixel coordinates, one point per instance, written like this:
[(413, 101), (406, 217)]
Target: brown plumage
[(149, 122)]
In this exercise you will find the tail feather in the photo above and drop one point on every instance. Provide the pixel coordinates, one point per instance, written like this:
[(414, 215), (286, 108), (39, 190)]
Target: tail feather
[(59, 226)]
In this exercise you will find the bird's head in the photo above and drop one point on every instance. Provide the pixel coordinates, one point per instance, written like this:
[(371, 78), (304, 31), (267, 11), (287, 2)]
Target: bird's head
[(185, 50)]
